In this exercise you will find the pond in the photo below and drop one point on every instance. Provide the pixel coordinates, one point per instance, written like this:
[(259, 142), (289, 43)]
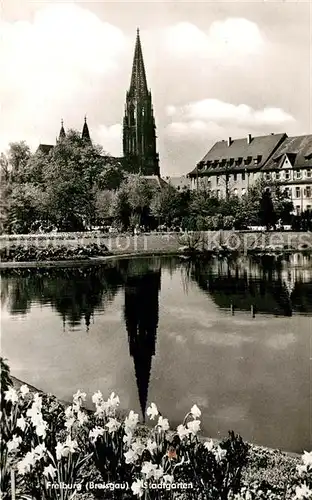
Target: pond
[(230, 334)]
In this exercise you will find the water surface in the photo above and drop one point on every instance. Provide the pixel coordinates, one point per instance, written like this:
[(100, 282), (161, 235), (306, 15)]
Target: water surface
[(232, 335)]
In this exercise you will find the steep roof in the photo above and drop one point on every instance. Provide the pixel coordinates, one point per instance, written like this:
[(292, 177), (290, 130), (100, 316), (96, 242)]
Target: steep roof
[(298, 151), (239, 154), (45, 148), (62, 134), (85, 131), (155, 182), (138, 83)]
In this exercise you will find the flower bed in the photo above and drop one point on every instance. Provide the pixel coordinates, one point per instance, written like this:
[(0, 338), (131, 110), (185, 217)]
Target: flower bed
[(23, 253), (61, 453)]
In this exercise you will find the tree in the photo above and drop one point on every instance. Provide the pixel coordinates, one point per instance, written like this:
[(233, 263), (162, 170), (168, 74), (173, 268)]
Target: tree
[(18, 157), (25, 206), (266, 212), (139, 195), (111, 176)]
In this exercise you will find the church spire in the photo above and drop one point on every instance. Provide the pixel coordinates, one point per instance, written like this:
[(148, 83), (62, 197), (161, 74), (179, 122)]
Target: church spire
[(138, 84), (85, 131), (139, 131), (62, 134)]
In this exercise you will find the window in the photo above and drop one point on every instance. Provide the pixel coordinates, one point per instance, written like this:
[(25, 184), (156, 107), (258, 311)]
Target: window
[(235, 177), (309, 207), (287, 174), (298, 192), (217, 180), (277, 176), (308, 172), (243, 176), (298, 209), (268, 176), (298, 174), (308, 191)]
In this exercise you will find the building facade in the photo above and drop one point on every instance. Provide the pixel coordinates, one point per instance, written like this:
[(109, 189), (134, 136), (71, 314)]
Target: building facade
[(231, 167)]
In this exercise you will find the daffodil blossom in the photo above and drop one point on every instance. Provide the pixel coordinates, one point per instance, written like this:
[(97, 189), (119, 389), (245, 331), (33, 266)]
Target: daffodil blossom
[(112, 402), (127, 439), (209, 445), (138, 447), (14, 443), (158, 472), (112, 425), (195, 411), (82, 417), (131, 421), (131, 456), (95, 433), (163, 423), (21, 423), (24, 389), (39, 451), (79, 396), (219, 454), (303, 492), (24, 465), (182, 431), (148, 469), (152, 411), (168, 478), (49, 471), (307, 458), (11, 395), (97, 398), (194, 426), (151, 446), (138, 488)]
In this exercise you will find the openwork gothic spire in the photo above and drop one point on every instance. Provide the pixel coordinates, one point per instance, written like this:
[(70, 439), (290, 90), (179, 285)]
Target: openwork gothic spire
[(62, 133), (139, 130)]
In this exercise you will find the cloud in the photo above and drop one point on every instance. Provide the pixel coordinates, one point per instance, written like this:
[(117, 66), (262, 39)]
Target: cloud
[(110, 138), (232, 36), (213, 115), (52, 66)]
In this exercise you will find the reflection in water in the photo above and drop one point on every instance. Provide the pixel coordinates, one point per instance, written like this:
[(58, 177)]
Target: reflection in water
[(228, 362), (141, 317), (268, 284)]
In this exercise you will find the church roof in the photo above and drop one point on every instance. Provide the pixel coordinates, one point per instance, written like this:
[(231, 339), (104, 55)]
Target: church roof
[(62, 134), (85, 131), (155, 182), (138, 84), (239, 154), (297, 149)]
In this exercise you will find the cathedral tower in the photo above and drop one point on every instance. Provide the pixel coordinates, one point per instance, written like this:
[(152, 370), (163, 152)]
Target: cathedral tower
[(139, 130)]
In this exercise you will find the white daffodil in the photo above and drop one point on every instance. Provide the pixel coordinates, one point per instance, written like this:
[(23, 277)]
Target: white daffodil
[(49, 471), (137, 446), (41, 429), (21, 423), (24, 389), (131, 421), (148, 469), (113, 402), (79, 396), (37, 402), (307, 458), (40, 451), (11, 395), (168, 478), (152, 411), (151, 446), (69, 423), (97, 398), (14, 443), (219, 454), (163, 423), (195, 411), (95, 433), (26, 463), (112, 425), (303, 492), (138, 488), (82, 417), (209, 445), (182, 431), (301, 469), (71, 444), (59, 450), (194, 426), (127, 439), (131, 456), (69, 412)]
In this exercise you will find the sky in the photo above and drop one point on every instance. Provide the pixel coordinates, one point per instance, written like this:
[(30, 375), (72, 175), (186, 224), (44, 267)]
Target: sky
[(215, 69)]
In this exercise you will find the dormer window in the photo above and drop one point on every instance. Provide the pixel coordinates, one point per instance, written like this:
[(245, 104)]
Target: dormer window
[(298, 174)]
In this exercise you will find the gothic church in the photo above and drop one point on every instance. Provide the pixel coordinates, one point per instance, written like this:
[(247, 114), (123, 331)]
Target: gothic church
[(139, 130)]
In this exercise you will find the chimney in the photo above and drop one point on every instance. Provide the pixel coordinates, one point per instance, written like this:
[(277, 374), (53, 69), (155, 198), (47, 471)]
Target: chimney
[(229, 141), (249, 138)]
